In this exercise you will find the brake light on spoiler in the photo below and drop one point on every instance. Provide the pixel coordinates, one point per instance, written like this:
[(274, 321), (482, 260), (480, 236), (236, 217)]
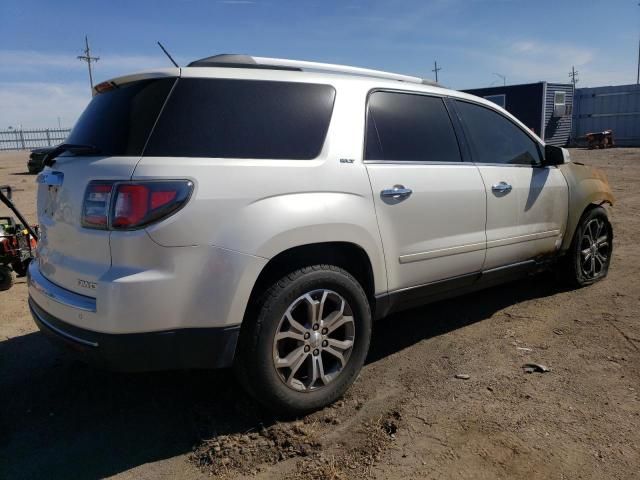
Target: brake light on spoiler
[(115, 205)]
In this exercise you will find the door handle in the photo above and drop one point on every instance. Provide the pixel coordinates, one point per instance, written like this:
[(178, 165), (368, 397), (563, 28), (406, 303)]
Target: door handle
[(502, 187), (398, 191)]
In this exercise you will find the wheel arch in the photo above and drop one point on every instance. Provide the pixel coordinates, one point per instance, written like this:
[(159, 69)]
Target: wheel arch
[(349, 256), (588, 188)]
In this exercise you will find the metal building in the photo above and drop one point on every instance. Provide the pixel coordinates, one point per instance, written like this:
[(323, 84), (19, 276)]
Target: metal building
[(543, 106), (614, 108)]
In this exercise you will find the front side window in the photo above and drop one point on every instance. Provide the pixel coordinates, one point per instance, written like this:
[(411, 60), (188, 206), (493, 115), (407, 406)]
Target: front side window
[(496, 139), (409, 127), (227, 118), (559, 98)]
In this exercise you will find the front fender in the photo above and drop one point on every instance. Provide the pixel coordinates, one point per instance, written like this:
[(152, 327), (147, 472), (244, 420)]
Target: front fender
[(587, 186)]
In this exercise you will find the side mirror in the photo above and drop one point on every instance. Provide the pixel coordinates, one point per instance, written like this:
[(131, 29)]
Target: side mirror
[(553, 156)]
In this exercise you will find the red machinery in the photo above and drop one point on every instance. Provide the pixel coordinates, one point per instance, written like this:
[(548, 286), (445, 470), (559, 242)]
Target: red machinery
[(17, 242)]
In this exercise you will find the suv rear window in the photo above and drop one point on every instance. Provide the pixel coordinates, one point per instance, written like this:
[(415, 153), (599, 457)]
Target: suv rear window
[(243, 119), (118, 122)]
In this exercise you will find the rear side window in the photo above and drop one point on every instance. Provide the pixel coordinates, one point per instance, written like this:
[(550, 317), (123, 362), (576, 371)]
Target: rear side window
[(243, 119), (118, 122), (408, 127), (496, 139)]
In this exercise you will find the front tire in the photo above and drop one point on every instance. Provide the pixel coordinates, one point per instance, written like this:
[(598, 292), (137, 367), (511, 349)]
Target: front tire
[(307, 341), (589, 256)]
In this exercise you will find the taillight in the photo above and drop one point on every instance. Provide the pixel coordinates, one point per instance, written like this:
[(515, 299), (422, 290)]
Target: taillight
[(97, 200), (131, 205)]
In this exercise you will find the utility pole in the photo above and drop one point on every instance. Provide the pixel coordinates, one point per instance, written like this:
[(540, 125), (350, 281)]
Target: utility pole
[(573, 74), (638, 75), (89, 59), (436, 69)]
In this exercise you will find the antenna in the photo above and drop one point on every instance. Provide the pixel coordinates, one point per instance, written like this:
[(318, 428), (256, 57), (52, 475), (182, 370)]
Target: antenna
[(88, 58), (168, 55)]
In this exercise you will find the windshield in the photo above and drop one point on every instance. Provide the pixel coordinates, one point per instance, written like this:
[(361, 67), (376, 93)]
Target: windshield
[(118, 122)]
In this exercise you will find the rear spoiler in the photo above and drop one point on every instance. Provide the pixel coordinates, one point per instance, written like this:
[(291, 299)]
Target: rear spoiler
[(135, 77)]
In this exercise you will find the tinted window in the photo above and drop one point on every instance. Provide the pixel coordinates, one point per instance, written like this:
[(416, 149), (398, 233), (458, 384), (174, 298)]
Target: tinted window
[(243, 119), (406, 127), (496, 139), (118, 122)]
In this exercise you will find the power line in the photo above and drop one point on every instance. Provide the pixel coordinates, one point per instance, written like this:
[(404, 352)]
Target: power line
[(436, 69), (89, 59)]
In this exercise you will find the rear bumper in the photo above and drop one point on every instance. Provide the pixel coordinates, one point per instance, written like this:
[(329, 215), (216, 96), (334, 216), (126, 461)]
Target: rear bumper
[(165, 350)]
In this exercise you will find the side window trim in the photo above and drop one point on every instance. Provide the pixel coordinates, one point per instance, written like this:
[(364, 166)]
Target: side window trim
[(465, 134), (464, 157), (463, 143)]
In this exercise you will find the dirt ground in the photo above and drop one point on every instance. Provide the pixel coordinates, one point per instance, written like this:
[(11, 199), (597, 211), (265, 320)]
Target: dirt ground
[(407, 416)]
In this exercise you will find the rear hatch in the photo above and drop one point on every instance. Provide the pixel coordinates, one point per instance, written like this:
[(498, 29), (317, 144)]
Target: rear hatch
[(116, 125)]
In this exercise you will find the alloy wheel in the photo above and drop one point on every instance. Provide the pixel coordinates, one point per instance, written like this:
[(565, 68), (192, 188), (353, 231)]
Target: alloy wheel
[(314, 340), (595, 249)]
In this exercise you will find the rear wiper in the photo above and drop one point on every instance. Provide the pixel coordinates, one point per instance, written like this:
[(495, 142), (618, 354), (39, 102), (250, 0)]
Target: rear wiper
[(78, 149)]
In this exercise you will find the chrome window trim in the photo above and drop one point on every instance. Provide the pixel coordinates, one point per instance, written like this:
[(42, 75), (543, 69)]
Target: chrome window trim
[(520, 165), (417, 162), (60, 295)]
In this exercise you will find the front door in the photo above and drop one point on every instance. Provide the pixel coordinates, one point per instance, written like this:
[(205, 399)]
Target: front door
[(430, 205), (526, 202)]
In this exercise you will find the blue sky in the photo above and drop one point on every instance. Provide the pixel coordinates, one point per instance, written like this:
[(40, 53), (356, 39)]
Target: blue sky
[(525, 40)]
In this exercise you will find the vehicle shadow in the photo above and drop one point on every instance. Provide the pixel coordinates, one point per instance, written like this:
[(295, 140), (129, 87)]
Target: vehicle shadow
[(62, 419)]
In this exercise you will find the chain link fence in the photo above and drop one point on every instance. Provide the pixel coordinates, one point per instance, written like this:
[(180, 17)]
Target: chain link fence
[(27, 139)]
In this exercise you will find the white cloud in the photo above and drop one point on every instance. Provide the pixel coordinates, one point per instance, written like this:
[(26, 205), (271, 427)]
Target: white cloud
[(38, 105), (20, 62), (523, 61)]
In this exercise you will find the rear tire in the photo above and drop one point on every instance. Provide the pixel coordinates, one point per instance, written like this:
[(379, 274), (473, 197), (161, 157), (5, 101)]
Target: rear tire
[(306, 342), (6, 278), (589, 255)]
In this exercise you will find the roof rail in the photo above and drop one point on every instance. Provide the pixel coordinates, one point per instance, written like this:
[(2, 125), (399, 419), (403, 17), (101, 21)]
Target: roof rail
[(246, 61)]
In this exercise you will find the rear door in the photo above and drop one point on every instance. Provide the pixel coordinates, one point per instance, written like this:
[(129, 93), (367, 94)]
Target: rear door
[(527, 203), (117, 123), (430, 204)]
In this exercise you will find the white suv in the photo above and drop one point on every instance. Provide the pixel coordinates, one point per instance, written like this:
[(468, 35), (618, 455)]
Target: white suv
[(261, 213)]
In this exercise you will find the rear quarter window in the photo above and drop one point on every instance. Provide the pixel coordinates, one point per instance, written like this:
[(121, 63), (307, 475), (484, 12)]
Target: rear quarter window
[(243, 119)]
